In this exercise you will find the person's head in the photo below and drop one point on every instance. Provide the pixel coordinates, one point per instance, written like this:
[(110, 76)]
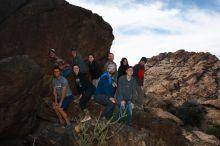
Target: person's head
[(111, 68), (76, 69), (143, 61), (110, 57), (129, 71), (61, 64), (124, 62), (52, 53), (73, 51), (91, 58), (56, 72)]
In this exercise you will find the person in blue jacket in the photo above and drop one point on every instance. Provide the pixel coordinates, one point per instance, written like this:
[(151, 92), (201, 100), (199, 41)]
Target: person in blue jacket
[(104, 94)]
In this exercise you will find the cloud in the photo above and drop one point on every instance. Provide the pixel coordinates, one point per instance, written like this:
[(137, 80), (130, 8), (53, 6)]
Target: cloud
[(147, 27)]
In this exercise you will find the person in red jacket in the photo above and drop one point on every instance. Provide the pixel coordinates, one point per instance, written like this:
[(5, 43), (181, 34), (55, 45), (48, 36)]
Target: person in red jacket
[(139, 71)]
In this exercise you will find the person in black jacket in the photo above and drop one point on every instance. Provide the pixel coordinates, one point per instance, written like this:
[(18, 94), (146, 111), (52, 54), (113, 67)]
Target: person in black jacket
[(123, 67), (94, 70), (84, 88)]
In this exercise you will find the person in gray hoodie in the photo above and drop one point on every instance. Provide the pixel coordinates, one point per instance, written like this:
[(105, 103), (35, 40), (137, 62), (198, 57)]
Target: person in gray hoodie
[(127, 89), (77, 59)]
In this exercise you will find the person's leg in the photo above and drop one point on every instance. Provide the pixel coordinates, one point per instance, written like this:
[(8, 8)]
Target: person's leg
[(67, 100), (64, 115), (85, 98), (109, 106), (129, 112), (57, 113)]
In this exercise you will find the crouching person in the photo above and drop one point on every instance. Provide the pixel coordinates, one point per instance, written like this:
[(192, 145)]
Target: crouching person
[(85, 89), (62, 96), (127, 89), (104, 94)]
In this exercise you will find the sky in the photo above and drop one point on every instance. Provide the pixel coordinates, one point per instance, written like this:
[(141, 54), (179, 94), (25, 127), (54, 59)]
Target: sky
[(149, 27)]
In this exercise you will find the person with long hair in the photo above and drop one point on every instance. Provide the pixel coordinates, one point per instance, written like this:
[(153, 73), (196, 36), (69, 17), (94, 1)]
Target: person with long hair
[(85, 89)]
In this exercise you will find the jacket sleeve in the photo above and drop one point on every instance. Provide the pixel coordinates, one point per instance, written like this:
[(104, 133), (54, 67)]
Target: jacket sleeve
[(120, 88)]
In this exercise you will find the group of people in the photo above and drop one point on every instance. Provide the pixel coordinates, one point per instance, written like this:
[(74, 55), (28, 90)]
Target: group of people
[(109, 86)]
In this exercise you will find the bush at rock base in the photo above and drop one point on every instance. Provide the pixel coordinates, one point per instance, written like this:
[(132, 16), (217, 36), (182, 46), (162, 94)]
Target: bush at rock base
[(191, 113)]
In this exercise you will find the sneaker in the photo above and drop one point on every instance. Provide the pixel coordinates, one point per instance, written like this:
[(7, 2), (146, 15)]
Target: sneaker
[(68, 126), (86, 118)]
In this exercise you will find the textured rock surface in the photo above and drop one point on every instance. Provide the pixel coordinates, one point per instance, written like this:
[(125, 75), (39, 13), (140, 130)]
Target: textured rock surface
[(19, 101), (182, 76), (28, 29), (39, 25)]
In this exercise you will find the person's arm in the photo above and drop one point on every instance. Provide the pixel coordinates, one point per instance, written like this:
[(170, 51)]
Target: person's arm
[(120, 89), (135, 86), (63, 92), (55, 95)]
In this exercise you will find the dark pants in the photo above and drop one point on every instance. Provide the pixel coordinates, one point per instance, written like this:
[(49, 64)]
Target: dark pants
[(109, 106), (86, 97)]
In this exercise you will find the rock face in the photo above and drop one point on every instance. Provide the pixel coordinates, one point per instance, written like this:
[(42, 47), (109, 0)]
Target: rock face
[(174, 78), (33, 27), (182, 76), (19, 99), (28, 29)]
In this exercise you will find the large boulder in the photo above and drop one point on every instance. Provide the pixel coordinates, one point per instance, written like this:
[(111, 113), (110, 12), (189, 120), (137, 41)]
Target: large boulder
[(18, 95), (28, 29), (36, 26)]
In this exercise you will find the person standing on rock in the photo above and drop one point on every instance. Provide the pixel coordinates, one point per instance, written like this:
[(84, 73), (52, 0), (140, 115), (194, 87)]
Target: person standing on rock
[(85, 88), (127, 89), (114, 76), (139, 71), (123, 67), (77, 59), (138, 74), (94, 70), (62, 96), (104, 94)]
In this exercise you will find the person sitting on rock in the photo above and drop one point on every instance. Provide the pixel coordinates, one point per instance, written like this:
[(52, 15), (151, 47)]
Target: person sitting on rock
[(62, 96), (94, 70), (77, 59), (127, 89), (53, 57), (139, 71), (85, 88), (123, 67), (104, 94), (114, 76), (64, 67)]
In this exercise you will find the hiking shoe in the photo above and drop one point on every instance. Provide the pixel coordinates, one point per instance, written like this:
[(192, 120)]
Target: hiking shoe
[(68, 126), (86, 118)]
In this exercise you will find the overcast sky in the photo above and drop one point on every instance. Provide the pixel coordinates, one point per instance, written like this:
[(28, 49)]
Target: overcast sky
[(149, 27)]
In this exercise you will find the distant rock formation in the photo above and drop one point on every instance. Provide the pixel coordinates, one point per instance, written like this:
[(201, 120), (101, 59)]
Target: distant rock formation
[(28, 29), (182, 76), (172, 79)]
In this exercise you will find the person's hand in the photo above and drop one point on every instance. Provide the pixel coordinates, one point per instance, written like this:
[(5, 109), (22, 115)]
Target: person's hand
[(80, 96), (112, 99), (114, 84), (60, 103), (123, 103)]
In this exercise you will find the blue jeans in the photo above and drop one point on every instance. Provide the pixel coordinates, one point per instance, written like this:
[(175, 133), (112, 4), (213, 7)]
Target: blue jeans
[(67, 100), (109, 106), (128, 107)]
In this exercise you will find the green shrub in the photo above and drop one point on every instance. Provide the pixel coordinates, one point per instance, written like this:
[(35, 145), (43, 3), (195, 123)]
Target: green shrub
[(190, 113), (214, 130)]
